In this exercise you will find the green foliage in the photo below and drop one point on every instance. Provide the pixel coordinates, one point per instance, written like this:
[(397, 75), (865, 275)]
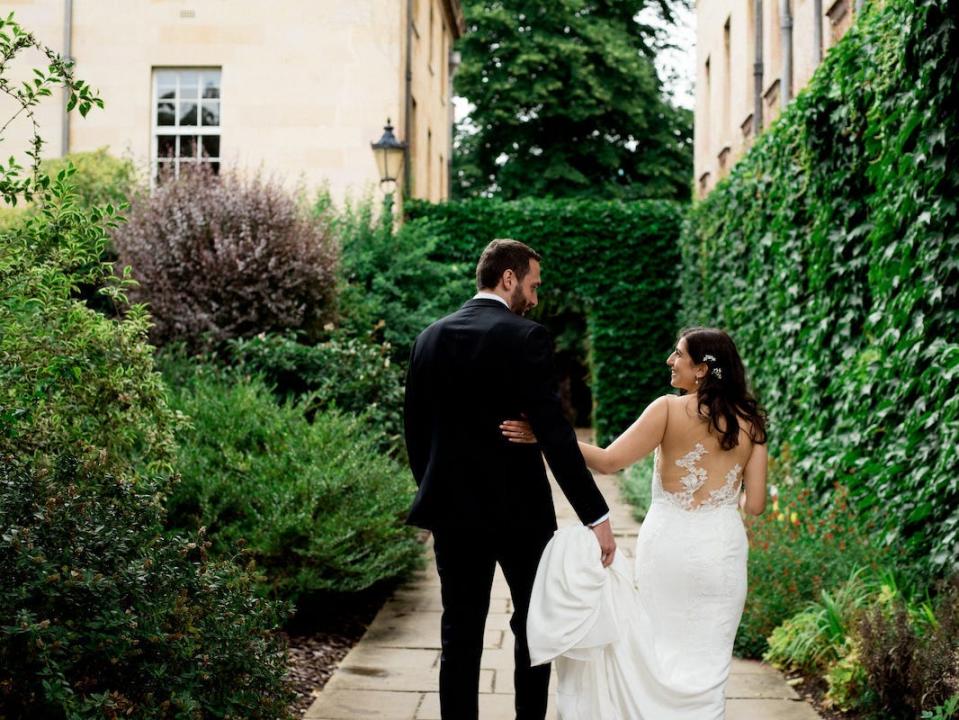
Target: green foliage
[(317, 505), (615, 260), (568, 103), (910, 653), (815, 638), (100, 178), (103, 616), (949, 710), (831, 253), (351, 374), (71, 379), (798, 548), (27, 95), (878, 649), (636, 486), (393, 287), (11, 218)]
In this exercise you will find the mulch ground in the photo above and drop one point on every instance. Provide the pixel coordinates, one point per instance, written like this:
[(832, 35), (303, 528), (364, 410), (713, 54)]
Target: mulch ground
[(321, 634)]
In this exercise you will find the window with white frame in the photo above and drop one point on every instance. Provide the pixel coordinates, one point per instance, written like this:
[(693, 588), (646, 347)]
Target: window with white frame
[(186, 119)]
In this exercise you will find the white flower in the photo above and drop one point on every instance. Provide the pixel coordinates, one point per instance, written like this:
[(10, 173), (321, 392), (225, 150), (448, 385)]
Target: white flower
[(709, 358), (718, 372)]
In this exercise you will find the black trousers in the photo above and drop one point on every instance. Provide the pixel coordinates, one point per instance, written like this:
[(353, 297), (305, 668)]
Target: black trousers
[(466, 561)]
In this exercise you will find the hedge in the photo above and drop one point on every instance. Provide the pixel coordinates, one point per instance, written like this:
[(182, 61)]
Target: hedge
[(831, 253), (616, 261)]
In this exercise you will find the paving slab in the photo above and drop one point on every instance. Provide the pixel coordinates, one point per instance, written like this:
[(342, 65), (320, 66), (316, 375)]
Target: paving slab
[(392, 673)]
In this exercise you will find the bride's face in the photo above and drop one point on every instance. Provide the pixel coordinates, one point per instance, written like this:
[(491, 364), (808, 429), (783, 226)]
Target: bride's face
[(683, 372)]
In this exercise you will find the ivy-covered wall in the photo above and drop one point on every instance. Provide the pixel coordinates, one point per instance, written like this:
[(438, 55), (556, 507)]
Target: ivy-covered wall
[(617, 261), (832, 255)]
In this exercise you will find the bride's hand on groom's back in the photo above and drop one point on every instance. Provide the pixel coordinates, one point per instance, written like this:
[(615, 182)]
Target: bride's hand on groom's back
[(518, 431)]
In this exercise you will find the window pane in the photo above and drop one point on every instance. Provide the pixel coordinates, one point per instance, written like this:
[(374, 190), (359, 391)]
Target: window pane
[(210, 114), (166, 114), (189, 84), (166, 84), (188, 146), (211, 84), (188, 113), (166, 146), (214, 167), (211, 145)]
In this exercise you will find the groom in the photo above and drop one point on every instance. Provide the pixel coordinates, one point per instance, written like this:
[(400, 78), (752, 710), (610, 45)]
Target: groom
[(487, 500)]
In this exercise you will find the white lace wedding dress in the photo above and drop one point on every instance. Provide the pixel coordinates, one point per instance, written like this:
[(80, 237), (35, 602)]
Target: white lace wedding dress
[(654, 643)]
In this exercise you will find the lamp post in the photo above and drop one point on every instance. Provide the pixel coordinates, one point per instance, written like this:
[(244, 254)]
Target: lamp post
[(389, 153)]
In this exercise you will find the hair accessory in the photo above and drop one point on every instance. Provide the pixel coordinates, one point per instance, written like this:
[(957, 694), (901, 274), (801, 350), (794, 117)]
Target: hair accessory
[(718, 372), (709, 358)]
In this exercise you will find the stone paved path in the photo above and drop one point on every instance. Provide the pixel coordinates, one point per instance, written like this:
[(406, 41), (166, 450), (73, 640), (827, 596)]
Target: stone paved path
[(393, 673)]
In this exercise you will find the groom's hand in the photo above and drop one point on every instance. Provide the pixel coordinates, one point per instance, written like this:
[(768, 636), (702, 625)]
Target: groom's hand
[(607, 543)]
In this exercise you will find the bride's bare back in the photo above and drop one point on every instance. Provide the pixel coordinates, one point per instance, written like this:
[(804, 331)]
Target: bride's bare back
[(692, 470), (691, 466)]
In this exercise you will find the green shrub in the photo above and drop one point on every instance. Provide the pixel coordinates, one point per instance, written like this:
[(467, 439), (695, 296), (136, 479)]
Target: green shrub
[(316, 504), (225, 257), (831, 253), (100, 178), (636, 486), (815, 638), (616, 261), (351, 374), (799, 547), (393, 288), (72, 380), (101, 615)]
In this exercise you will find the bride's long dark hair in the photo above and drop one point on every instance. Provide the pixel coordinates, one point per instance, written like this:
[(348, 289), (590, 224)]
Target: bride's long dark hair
[(723, 391)]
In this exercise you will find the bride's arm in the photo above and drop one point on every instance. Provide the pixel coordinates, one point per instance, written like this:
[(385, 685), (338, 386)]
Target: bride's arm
[(637, 442), (754, 481), (640, 439)]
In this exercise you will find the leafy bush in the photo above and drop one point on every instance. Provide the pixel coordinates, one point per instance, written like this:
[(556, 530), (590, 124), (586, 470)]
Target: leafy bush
[(393, 287), (72, 380), (831, 253), (347, 373), (798, 548), (911, 656), (877, 648), (100, 178), (100, 614), (815, 638), (636, 485), (225, 257), (616, 260), (103, 616), (317, 505)]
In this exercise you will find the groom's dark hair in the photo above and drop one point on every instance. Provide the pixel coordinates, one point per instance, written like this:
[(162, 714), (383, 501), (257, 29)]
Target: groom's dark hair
[(500, 256)]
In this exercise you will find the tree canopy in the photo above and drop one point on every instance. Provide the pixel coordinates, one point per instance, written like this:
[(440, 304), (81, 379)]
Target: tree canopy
[(567, 103)]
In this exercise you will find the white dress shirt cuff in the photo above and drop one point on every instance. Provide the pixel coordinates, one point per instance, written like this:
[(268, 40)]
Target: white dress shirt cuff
[(600, 521)]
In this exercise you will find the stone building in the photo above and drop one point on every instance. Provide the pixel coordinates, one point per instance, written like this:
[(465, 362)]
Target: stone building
[(752, 57), (297, 88)]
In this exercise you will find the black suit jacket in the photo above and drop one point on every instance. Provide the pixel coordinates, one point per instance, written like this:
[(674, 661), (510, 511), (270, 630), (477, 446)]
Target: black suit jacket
[(468, 372)]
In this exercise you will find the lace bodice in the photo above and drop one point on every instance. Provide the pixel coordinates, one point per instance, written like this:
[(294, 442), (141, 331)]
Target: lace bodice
[(696, 477)]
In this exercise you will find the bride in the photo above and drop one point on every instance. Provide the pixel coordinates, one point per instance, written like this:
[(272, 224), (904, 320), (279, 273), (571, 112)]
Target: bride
[(656, 643)]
